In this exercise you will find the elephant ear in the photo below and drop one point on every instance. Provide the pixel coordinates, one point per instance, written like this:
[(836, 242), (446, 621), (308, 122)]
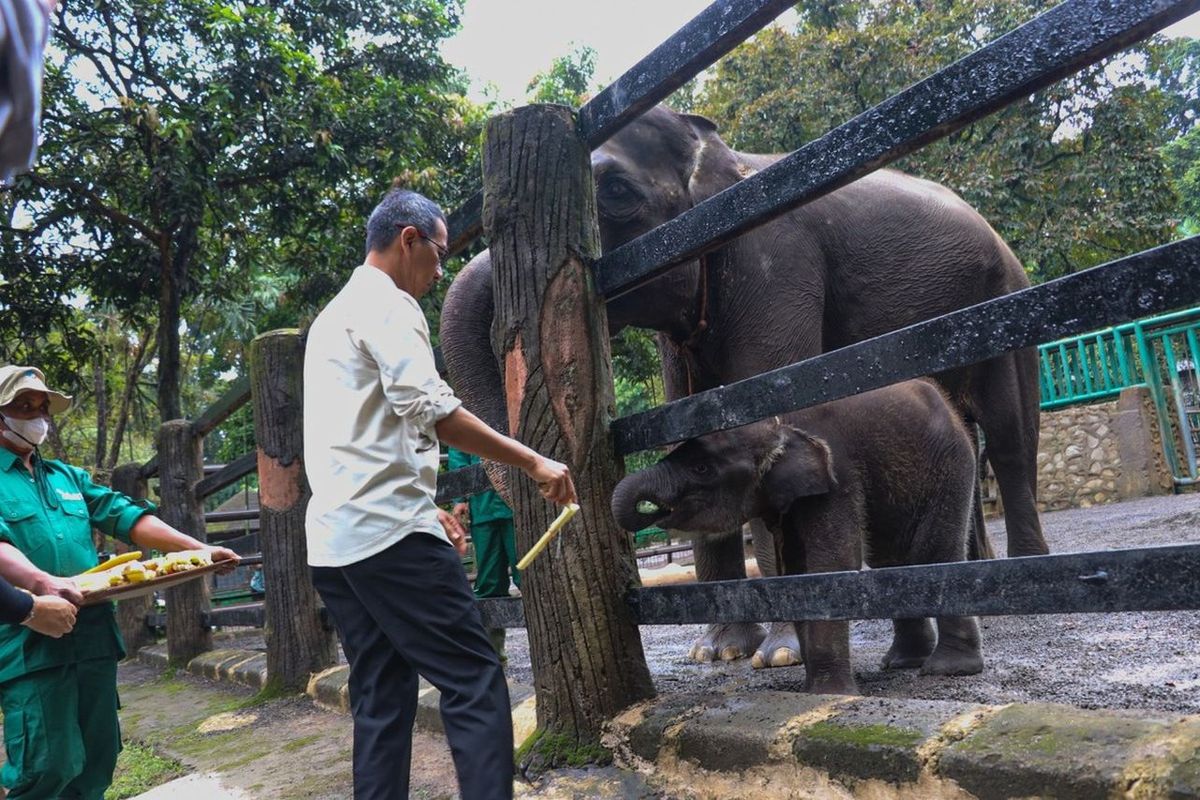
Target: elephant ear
[(801, 465), (715, 167)]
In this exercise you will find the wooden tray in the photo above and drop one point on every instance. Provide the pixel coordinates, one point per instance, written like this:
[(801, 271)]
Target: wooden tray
[(127, 590)]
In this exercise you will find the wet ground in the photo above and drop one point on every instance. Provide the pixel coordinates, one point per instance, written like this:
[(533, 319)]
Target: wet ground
[(1128, 660)]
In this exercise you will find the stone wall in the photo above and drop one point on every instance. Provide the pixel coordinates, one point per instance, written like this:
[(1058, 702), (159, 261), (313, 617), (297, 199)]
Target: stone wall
[(1101, 453), (1098, 453), (1079, 458)]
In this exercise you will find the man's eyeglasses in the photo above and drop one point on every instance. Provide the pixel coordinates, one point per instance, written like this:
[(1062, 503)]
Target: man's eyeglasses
[(442, 252)]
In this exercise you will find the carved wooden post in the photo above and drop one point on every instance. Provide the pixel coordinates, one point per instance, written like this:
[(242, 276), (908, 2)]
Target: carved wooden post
[(181, 467), (131, 613), (297, 643), (551, 337)]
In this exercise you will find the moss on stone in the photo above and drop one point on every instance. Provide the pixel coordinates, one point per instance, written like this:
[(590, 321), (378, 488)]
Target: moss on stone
[(864, 735), (544, 750)]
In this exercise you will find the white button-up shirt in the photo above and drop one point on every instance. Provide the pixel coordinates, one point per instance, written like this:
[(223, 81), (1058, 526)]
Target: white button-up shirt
[(371, 399)]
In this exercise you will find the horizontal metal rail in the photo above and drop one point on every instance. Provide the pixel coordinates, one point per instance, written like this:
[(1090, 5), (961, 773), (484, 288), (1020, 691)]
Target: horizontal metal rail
[(1061, 41), (231, 473), (1156, 280), (240, 515), (461, 483), (697, 45), (1144, 579)]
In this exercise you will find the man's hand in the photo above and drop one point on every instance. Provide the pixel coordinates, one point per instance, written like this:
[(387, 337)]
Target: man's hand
[(52, 616), (454, 530), (462, 513), (224, 554), (553, 480), (57, 587)]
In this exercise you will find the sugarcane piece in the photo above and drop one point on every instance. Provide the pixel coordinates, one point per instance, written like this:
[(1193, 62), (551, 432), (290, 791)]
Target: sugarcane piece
[(561, 520)]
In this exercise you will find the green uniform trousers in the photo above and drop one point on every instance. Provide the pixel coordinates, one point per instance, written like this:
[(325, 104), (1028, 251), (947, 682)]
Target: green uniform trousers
[(495, 554), (61, 731)]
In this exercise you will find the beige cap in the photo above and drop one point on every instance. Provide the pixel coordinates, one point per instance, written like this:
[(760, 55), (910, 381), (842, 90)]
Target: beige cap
[(16, 379)]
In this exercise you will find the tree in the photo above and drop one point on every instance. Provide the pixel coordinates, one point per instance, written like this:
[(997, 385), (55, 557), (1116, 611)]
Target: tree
[(568, 81), (1071, 177), (206, 166)]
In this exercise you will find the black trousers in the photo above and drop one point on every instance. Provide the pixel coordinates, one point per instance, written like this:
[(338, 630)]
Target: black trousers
[(404, 612)]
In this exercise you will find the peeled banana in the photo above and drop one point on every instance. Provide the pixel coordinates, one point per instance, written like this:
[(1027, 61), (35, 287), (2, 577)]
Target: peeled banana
[(132, 555), (127, 570)]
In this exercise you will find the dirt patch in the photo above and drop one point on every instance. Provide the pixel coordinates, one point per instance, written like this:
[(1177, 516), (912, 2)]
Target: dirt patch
[(281, 748)]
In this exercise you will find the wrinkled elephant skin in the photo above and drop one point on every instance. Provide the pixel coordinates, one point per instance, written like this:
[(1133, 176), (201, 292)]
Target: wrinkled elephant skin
[(881, 253), (885, 476)]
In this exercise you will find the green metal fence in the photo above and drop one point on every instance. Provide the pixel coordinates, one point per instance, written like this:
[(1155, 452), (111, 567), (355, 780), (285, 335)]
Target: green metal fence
[(1161, 353)]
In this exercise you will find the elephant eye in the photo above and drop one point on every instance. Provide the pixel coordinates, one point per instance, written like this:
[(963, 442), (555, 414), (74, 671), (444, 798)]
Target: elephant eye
[(617, 198), (701, 469)]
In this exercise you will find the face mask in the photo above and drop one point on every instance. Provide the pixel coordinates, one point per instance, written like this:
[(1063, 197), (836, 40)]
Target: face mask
[(27, 432)]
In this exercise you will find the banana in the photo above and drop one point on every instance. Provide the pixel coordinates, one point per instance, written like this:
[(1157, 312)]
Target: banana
[(132, 555)]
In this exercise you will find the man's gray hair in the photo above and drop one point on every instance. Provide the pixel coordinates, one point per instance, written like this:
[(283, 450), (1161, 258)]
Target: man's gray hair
[(398, 209)]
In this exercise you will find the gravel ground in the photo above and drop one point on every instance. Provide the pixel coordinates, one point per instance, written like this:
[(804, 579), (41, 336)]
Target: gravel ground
[(1128, 660), (1147, 660)]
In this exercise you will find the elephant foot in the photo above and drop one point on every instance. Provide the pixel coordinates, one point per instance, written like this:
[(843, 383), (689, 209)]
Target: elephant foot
[(912, 644), (727, 642), (1028, 549), (832, 684), (951, 658), (781, 648)]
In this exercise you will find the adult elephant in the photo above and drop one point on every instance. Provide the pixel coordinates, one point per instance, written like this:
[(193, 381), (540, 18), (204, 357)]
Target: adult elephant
[(881, 253)]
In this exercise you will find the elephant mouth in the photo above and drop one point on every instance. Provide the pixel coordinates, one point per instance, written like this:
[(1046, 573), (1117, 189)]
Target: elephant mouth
[(649, 512)]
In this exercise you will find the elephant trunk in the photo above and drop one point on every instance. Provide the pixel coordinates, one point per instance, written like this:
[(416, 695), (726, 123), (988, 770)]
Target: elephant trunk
[(466, 340), (636, 504)]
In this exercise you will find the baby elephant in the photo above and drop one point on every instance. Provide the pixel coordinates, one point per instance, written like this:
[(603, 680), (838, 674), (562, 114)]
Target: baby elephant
[(885, 476)]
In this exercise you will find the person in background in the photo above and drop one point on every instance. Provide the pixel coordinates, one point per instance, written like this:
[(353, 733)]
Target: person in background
[(59, 695), (490, 522), (383, 555)]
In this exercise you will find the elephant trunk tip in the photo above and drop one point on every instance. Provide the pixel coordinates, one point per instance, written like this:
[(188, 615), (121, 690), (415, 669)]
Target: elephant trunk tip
[(638, 515)]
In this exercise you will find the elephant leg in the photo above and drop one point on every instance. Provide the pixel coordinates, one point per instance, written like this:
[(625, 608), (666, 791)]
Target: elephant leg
[(979, 546), (781, 648), (958, 648), (827, 657), (831, 543), (1006, 405), (939, 538), (912, 642), (721, 558)]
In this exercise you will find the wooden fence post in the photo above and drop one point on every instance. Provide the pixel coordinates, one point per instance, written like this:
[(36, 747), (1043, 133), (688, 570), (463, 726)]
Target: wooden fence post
[(298, 644), (181, 467), (131, 613), (551, 336)]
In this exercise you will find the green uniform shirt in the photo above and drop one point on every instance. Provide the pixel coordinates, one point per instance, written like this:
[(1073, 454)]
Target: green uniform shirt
[(485, 506), (49, 517)]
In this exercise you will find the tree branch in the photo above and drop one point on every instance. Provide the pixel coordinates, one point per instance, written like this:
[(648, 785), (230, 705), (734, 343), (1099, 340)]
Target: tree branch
[(96, 203)]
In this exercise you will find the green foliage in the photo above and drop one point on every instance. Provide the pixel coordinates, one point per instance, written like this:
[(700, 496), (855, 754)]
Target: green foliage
[(207, 168), (139, 769), (544, 750), (567, 81), (1070, 177)]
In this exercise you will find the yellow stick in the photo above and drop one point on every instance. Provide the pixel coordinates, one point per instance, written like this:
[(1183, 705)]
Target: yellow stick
[(563, 518), (132, 555)]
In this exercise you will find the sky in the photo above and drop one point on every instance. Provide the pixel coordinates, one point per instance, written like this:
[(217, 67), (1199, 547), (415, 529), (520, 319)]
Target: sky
[(507, 42)]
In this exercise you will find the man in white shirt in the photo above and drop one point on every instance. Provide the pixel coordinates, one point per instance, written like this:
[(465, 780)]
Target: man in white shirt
[(383, 555)]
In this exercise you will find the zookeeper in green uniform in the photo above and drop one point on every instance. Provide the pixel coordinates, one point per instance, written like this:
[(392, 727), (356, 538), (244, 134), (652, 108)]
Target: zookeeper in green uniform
[(495, 540), (59, 696)]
